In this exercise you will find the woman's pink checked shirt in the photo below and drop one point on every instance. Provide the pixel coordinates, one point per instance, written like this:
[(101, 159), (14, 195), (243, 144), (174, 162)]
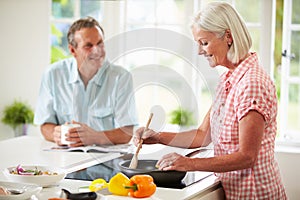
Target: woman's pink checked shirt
[(247, 88)]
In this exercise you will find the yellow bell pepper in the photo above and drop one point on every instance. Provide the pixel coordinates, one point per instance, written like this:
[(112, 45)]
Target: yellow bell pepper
[(115, 186)]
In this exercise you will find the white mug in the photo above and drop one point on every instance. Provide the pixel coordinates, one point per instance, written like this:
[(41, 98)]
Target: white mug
[(64, 130)]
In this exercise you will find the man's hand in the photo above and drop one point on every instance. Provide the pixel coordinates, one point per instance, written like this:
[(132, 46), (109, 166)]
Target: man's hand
[(57, 134), (84, 136)]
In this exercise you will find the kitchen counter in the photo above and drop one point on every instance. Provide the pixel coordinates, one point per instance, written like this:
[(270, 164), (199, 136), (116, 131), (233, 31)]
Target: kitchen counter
[(206, 189), (29, 150)]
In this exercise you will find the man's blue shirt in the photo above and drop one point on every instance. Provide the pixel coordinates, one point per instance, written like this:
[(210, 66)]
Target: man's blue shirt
[(106, 103)]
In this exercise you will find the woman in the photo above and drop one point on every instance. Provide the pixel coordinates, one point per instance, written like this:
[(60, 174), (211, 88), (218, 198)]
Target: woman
[(241, 122)]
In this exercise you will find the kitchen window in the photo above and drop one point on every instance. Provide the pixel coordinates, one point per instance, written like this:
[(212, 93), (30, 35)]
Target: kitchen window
[(176, 79), (290, 74)]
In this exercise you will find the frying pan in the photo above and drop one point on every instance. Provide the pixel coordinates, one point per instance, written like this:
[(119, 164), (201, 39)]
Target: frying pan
[(148, 167), (161, 178)]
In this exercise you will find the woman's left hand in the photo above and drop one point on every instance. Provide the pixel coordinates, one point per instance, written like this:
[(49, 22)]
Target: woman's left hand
[(174, 161)]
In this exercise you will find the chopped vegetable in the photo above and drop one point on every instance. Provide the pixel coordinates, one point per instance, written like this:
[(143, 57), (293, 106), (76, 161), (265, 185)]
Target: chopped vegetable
[(21, 171), (98, 184), (141, 186)]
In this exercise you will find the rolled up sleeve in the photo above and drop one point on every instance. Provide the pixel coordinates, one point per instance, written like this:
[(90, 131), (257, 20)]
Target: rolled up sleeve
[(44, 112)]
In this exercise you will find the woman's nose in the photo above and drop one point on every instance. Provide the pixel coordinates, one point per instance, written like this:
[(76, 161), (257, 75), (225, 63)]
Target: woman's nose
[(200, 50)]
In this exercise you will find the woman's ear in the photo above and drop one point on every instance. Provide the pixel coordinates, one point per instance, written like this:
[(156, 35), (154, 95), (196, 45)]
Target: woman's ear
[(228, 37)]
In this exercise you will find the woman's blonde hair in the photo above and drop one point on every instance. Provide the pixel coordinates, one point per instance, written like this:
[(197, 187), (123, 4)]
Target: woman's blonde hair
[(218, 17)]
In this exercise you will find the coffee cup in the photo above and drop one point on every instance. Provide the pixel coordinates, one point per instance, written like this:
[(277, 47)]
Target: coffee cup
[(64, 130)]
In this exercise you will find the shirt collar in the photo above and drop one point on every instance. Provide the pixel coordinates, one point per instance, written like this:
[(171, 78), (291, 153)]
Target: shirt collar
[(99, 76), (97, 79), (242, 68)]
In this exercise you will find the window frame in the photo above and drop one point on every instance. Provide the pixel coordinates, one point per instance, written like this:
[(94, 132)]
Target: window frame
[(286, 136), (119, 15)]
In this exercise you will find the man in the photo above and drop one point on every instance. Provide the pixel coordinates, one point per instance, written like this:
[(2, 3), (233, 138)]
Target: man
[(87, 89)]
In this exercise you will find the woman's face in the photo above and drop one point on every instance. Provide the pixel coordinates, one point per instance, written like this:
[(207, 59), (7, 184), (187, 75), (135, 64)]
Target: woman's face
[(213, 48)]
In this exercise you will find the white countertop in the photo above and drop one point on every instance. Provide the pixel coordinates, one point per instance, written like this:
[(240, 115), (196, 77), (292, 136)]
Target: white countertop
[(196, 189), (29, 150)]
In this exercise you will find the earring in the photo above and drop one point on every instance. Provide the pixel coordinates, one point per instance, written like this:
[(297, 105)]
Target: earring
[(229, 44)]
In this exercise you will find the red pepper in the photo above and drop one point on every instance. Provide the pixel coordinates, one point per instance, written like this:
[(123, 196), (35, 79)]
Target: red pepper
[(141, 186)]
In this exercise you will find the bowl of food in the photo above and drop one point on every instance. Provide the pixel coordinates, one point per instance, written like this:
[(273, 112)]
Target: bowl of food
[(44, 176)]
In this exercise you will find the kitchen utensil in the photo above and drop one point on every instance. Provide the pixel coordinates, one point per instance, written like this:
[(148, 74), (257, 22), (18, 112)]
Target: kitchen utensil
[(148, 167), (134, 161), (161, 178), (16, 190), (79, 196), (19, 191)]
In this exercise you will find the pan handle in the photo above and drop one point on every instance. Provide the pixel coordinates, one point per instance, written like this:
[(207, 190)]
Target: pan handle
[(193, 153)]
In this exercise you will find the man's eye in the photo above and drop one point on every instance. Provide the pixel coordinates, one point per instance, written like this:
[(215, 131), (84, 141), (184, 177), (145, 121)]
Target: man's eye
[(88, 46), (100, 43)]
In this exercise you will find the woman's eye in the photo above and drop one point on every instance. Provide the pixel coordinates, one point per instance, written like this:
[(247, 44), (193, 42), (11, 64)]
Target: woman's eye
[(204, 43)]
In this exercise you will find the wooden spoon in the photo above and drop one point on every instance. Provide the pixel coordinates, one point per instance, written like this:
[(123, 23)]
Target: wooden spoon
[(134, 160)]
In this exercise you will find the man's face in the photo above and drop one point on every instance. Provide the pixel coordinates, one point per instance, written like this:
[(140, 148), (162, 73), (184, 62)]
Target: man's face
[(90, 50)]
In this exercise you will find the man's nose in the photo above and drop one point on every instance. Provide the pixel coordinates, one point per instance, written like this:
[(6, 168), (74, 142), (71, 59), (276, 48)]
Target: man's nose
[(96, 49)]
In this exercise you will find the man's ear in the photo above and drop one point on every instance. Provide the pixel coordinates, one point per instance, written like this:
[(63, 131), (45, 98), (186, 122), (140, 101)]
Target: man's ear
[(72, 50)]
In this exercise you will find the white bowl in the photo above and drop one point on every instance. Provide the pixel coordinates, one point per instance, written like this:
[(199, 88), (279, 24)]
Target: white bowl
[(41, 180)]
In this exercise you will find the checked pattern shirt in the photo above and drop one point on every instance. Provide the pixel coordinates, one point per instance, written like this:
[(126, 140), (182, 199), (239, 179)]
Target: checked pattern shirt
[(247, 88)]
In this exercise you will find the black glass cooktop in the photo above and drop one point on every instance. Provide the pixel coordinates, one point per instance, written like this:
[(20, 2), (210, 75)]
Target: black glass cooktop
[(108, 169), (189, 179)]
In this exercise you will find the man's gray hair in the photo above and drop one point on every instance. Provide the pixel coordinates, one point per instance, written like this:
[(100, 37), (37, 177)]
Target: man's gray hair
[(87, 22)]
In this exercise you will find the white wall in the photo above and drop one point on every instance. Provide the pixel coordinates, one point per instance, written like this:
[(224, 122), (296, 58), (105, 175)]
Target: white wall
[(289, 163), (24, 51)]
